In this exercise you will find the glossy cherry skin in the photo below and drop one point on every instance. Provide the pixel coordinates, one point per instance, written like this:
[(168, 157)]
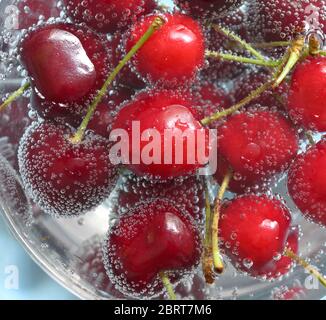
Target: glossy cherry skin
[(208, 8), (31, 10), (257, 144), (276, 20), (173, 55), (307, 183), (161, 110), (79, 66), (63, 178), (108, 16), (307, 95), (187, 194), (253, 230), (283, 265), (152, 237)]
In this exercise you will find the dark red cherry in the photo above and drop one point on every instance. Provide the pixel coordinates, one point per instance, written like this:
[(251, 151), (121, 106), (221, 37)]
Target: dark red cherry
[(161, 111), (173, 55), (108, 16), (307, 183), (187, 194), (79, 66), (207, 9), (208, 98), (253, 231), (247, 83), (275, 20), (63, 178), (152, 237), (281, 264), (307, 95), (30, 11), (257, 143)]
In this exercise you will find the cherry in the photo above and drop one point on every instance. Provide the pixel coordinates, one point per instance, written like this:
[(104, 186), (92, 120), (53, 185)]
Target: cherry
[(283, 264), (276, 20), (161, 110), (307, 95), (265, 144), (127, 76), (79, 66), (187, 194), (30, 11), (207, 8), (108, 16), (152, 237), (209, 98), (91, 267), (65, 179), (306, 183), (253, 231), (247, 83), (174, 53)]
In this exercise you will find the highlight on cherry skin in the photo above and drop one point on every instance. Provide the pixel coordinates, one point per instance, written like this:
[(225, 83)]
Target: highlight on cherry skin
[(252, 74)]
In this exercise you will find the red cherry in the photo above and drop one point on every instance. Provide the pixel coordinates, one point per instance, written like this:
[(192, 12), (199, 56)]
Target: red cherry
[(253, 231), (65, 179), (186, 194), (207, 8), (283, 264), (257, 144), (153, 237), (307, 96), (160, 110), (276, 20), (307, 183), (173, 55), (79, 66), (108, 16), (30, 11)]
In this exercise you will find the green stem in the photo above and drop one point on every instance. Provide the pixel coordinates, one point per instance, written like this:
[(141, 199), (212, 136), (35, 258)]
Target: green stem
[(310, 138), (290, 254), (78, 136), (230, 57), (273, 44), (322, 53), (243, 43), (295, 55), (15, 95), (168, 286), (217, 261), (253, 95)]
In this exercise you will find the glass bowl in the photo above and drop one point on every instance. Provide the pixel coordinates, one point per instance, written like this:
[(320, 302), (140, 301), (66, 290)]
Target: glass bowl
[(69, 250)]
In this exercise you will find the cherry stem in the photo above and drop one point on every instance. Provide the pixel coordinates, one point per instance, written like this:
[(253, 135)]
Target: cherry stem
[(168, 286), (230, 57), (156, 24), (15, 95), (296, 51), (217, 261), (314, 45), (253, 95), (322, 53), (207, 261), (290, 254), (238, 39), (310, 138), (273, 44)]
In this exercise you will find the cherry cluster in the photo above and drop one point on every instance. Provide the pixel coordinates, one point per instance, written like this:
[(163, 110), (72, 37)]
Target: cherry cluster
[(115, 62)]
